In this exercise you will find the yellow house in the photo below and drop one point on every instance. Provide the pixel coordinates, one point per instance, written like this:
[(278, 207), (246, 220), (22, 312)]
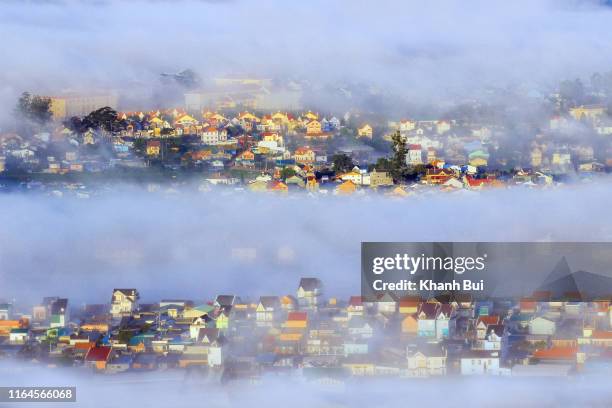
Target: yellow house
[(157, 122), (208, 115), (153, 148), (186, 120), (311, 116), (99, 327), (258, 186), (247, 117), (313, 127), (478, 161), (589, 112), (304, 155), (58, 108), (365, 131), (346, 188), (536, 157), (312, 184), (297, 336), (360, 368), (280, 117), (297, 320), (398, 192)]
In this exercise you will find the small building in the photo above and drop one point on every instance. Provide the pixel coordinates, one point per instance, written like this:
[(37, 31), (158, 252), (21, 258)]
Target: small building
[(365, 131), (98, 357), (124, 302)]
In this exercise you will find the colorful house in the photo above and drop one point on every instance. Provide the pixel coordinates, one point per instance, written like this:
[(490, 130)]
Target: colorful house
[(365, 131), (97, 357)]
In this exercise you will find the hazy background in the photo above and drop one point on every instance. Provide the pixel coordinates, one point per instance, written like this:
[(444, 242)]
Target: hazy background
[(183, 389), (420, 50), (199, 245)]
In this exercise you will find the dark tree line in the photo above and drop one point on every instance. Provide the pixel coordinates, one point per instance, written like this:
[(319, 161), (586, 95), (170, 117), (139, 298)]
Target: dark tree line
[(104, 118)]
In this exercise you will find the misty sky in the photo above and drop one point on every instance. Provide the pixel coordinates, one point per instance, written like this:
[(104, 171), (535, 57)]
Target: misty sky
[(415, 48)]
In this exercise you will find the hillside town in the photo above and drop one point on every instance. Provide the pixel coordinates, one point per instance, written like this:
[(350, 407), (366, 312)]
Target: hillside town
[(354, 152), (323, 339)]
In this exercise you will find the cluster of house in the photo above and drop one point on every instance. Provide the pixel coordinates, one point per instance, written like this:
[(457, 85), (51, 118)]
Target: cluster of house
[(323, 339), (278, 151)]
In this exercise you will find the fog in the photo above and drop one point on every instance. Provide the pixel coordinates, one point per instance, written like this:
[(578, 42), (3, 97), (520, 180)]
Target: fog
[(418, 50), (178, 389), (197, 245)]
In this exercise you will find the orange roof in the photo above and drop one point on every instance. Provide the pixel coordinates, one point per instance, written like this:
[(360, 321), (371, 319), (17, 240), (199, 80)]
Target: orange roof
[(599, 334), (13, 324), (287, 300), (528, 303), (557, 353), (84, 345), (277, 185), (302, 150), (410, 302)]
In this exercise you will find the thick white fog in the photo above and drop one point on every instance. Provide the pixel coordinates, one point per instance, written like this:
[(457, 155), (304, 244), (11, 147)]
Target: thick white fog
[(196, 245), (178, 389)]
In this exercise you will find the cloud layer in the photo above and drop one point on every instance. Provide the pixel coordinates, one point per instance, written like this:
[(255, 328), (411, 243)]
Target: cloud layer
[(199, 245)]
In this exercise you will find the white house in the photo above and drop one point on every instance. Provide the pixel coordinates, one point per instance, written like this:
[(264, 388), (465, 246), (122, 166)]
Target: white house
[(414, 155), (213, 135), (18, 336), (542, 326), (480, 362), (124, 302), (426, 360), (267, 310), (309, 293), (352, 347)]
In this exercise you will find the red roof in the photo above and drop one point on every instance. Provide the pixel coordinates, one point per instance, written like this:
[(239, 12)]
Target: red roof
[(528, 303), (355, 301), (557, 353), (98, 353), (487, 320), (297, 316)]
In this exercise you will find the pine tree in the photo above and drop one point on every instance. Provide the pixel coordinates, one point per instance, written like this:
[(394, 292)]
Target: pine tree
[(399, 169)]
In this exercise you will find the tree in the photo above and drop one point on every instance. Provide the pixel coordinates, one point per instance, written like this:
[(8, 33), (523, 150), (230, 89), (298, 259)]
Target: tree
[(287, 172), (33, 112), (383, 164), (572, 90), (342, 162), (399, 169), (104, 118)]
